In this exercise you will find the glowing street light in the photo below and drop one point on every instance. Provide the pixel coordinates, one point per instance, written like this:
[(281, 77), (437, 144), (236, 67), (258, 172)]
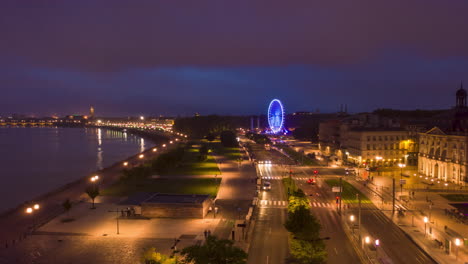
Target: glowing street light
[(125, 163), (142, 118), (155, 149), (367, 239), (164, 145), (29, 210), (94, 178), (401, 165), (36, 207), (171, 142), (457, 244), (377, 242), (141, 156), (425, 225)]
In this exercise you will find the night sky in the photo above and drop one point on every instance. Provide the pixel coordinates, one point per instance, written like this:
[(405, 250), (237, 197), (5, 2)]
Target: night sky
[(230, 57)]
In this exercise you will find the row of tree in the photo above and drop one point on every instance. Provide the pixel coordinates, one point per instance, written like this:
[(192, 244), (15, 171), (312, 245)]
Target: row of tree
[(258, 138), (306, 247), (213, 251)]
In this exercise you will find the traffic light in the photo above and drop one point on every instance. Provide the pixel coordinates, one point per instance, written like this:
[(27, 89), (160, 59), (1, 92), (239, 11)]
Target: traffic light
[(337, 199)]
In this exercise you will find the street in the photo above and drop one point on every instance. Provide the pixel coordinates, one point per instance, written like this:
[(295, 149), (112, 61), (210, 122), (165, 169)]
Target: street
[(270, 238)]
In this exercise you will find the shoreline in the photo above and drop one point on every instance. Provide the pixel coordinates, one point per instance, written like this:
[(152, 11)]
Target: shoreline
[(16, 225)]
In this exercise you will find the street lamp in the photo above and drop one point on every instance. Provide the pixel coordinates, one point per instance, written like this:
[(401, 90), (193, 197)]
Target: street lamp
[(142, 118), (94, 178), (457, 244), (36, 207), (401, 165), (164, 145), (351, 218), (141, 156), (29, 210), (125, 163), (155, 149), (425, 225), (377, 244)]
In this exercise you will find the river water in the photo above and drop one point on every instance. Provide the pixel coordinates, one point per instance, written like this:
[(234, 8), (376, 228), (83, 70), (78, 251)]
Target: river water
[(34, 161)]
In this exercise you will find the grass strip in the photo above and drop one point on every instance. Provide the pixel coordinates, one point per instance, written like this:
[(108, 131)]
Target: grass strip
[(349, 192), (176, 186)]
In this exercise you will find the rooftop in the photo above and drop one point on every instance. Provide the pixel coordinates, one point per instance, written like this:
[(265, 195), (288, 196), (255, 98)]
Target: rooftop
[(140, 198)]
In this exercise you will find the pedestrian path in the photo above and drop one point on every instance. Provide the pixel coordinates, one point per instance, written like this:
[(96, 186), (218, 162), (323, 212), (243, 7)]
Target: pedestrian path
[(272, 203)]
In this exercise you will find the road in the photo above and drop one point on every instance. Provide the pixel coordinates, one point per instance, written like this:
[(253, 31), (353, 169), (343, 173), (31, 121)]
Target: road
[(270, 239), (323, 206), (393, 241)]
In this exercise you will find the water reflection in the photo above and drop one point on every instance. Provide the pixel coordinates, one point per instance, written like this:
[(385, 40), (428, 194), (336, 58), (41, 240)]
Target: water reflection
[(142, 144)]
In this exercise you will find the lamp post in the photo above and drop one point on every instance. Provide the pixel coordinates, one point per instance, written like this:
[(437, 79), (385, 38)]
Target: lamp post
[(30, 211), (401, 165), (457, 245), (377, 244), (425, 225)]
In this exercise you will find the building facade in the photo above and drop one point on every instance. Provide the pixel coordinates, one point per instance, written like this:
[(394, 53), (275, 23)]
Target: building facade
[(376, 147), (443, 156), (443, 149)]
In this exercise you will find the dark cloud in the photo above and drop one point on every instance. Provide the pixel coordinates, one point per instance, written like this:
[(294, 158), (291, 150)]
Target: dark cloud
[(181, 57), (111, 35)]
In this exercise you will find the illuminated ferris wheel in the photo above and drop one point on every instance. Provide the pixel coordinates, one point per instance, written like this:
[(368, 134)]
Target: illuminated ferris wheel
[(276, 116)]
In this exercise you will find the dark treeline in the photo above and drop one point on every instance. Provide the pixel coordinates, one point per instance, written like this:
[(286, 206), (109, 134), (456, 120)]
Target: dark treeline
[(200, 126), (386, 112)]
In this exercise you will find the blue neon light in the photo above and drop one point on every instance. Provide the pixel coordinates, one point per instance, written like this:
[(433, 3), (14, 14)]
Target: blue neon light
[(276, 116)]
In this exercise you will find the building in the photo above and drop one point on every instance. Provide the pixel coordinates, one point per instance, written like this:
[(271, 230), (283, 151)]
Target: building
[(156, 205), (443, 149), (443, 156), (375, 147)]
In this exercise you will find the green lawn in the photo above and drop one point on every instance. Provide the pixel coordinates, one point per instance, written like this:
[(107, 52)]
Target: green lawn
[(349, 192), (456, 197), (179, 186), (191, 164), (207, 167), (230, 153)]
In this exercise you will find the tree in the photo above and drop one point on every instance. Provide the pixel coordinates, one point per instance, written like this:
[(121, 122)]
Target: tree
[(93, 192), (203, 150), (229, 139), (215, 251), (306, 252), (67, 205), (152, 257), (210, 137)]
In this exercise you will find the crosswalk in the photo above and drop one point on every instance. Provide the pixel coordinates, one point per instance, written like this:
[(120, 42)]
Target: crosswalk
[(401, 207), (283, 204), (324, 205), (279, 178), (272, 178), (272, 203)]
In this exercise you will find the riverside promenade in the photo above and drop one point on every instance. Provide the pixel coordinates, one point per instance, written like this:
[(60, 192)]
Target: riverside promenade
[(16, 225)]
